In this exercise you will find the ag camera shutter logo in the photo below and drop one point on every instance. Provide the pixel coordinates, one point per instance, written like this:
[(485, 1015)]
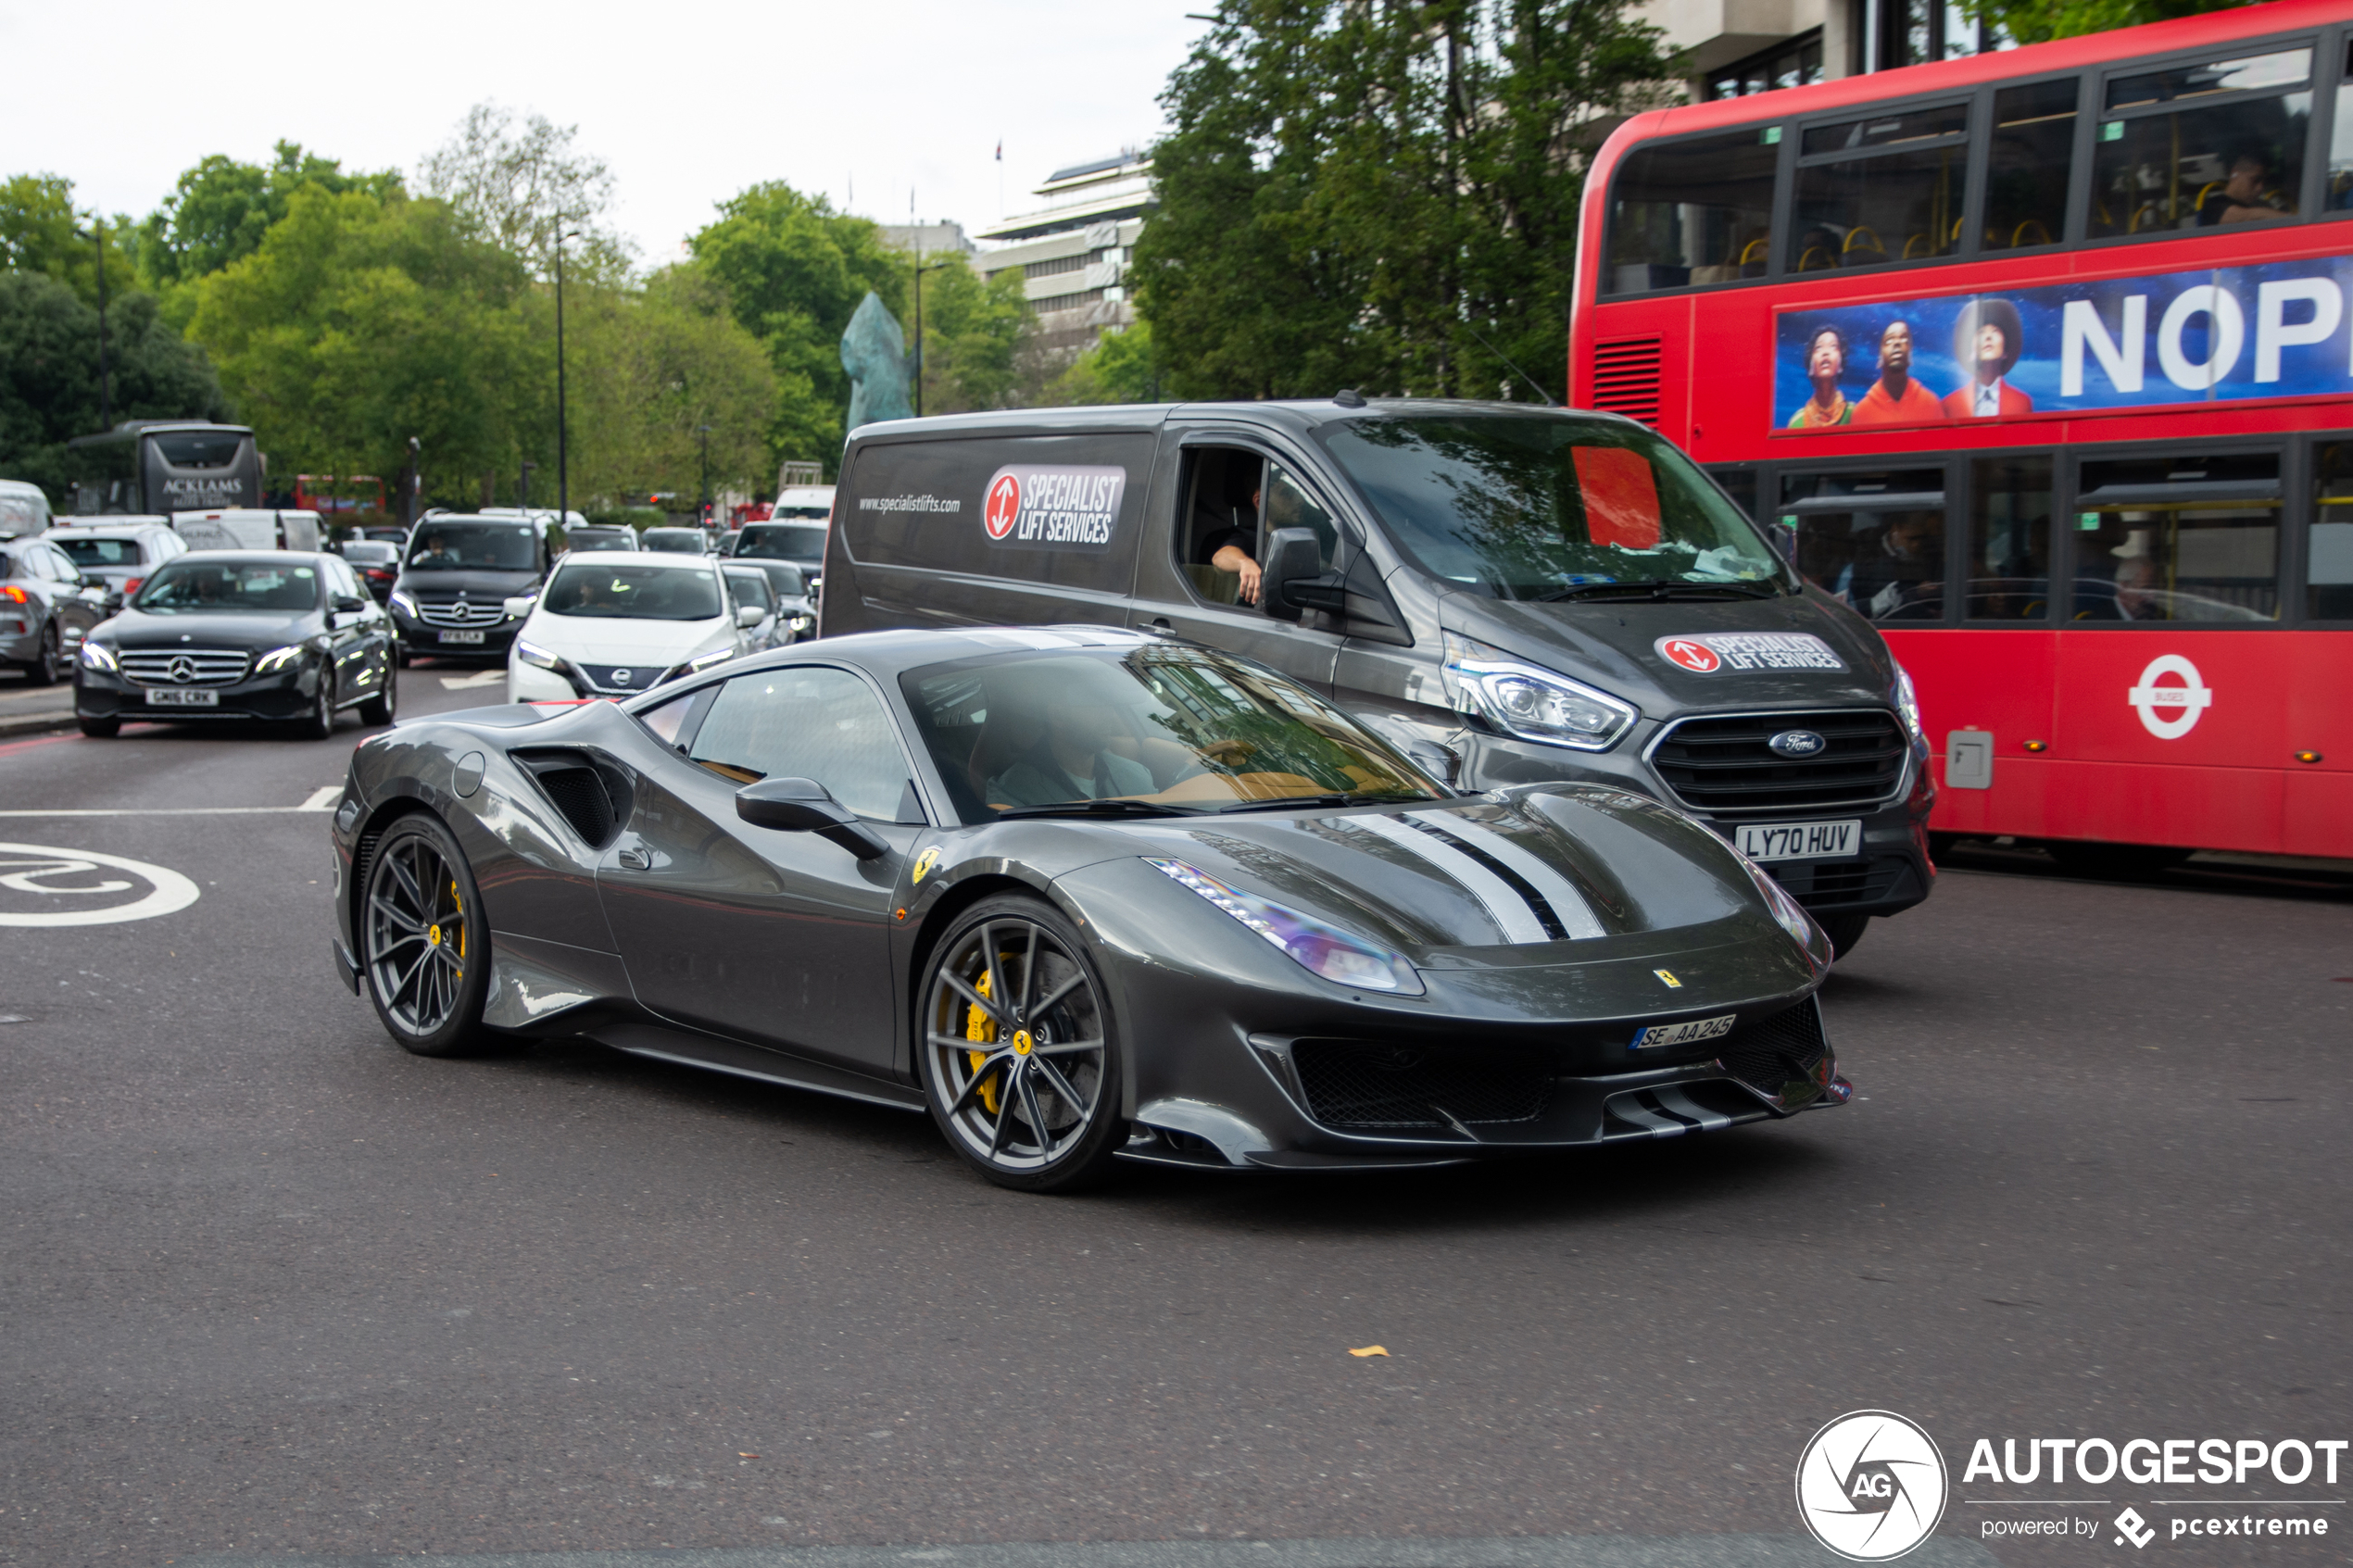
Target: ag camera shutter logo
[(1872, 1486)]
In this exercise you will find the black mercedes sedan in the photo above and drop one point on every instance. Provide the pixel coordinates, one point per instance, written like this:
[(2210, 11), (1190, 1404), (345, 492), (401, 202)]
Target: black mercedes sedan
[(1081, 894), (283, 636)]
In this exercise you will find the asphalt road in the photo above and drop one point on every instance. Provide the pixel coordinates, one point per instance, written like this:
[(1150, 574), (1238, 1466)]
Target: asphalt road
[(272, 1290)]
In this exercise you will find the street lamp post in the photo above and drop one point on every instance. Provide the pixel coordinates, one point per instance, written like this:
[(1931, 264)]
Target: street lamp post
[(523, 495), (920, 270), (97, 231), (704, 433), (563, 469), (416, 483)]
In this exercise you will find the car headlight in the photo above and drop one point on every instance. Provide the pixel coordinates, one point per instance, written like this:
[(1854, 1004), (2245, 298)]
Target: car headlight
[(801, 622), (402, 602), (279, 659), (1908, 704), (1532, 703), (1318, 948), (532, 653), (705, 660), (97, 656)]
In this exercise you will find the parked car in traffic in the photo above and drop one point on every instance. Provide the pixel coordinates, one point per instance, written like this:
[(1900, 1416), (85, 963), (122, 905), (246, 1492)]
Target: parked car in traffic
[(1142, 898), (679, 541), (458, 572), (611, 624), (48, 606), (796, 608), (798, 541), (24, 508), (281, 636), (748, 585), (120, 551), (377, 565), (598, 536)]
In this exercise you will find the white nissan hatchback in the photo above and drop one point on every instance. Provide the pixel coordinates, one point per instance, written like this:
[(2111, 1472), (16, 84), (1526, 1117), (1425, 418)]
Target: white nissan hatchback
[(614, 622)]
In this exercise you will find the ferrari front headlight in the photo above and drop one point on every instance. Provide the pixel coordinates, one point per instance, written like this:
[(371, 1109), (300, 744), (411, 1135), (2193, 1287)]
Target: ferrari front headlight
[(1319, 948), (1532, 703)]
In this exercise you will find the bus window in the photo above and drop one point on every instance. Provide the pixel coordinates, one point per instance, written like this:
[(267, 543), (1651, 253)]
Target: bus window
[(1693, 212), (200, 449), (2026, 168), (2193, 146), (1875, 540), (2328, 557), (2009, 538), (1886, 188), (2188, 538), (2339, 197)]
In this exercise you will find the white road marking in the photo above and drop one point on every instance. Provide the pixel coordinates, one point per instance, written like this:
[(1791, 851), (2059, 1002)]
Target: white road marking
[(326, 797), (28, 868), (466, 683)]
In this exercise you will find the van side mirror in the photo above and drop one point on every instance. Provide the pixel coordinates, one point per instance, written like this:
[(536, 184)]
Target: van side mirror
[(806, 805), (1294, 579)]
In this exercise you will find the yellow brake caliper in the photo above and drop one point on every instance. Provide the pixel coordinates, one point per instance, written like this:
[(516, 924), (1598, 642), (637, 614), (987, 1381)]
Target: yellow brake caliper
[(459, 905), (980, 1026)]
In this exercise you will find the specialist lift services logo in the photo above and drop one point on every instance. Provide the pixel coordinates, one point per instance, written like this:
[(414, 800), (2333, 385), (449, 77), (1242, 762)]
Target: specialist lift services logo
[(1872, 1486), (1053, 508)]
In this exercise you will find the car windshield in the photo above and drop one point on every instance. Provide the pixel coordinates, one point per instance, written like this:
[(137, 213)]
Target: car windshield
[(582, 540), (474, 546), (86, 553), (792, 542), (1155, 730), (1542, 507), (213, 587), (633, 593), (751, 588), (689, 541)]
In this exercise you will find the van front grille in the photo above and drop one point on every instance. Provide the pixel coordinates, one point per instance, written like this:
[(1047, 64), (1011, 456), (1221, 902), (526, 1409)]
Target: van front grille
[(1723, 763)]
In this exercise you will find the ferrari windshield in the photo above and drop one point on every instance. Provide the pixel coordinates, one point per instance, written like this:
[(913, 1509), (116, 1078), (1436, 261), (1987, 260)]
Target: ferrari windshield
[(1547, 507), (616, 592), (227, 587), (474, 546), (1142, 730)]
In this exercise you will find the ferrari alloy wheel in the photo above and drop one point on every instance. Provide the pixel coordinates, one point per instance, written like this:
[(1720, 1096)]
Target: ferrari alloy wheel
[(423, 942), (1019, 1064)]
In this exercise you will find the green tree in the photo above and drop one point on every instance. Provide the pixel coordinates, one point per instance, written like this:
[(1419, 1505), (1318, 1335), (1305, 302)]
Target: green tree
[(973, 328), (521, 188), (221, 210), (794, 270), (49, 373), (2038, 22), (1384, 194), (37, 234), (1120, 368)]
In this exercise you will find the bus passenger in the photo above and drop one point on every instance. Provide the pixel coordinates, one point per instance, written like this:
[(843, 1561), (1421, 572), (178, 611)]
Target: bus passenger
[(2239, 199), (1987, 339), (1825, 366), (1895, 398)]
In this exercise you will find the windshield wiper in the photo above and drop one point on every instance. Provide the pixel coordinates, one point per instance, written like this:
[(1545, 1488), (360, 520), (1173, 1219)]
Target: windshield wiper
[(1658, 591), (1290, 802), (1099, 809)]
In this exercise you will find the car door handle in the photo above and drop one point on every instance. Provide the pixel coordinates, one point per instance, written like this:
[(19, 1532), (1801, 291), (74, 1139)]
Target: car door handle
[(637, 860)]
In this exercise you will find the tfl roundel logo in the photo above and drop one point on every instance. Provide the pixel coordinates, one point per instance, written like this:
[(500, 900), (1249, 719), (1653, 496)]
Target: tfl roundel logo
[(1689, 653), (1004, 506)]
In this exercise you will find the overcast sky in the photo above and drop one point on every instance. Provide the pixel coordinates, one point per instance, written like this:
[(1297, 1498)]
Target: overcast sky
[(688, 101)]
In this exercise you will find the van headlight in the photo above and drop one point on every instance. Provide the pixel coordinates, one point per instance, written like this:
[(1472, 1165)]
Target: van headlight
[(1532, 703), (400, 601), (1319, 948), (1907, 706)]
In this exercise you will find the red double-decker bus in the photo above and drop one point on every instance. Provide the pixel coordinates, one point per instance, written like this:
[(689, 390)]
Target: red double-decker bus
[(2042, 362)]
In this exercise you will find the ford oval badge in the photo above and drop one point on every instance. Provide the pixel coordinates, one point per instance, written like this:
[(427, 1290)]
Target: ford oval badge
[(1797, 743)]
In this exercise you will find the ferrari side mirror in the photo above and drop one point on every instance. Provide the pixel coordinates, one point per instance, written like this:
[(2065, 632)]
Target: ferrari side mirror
[(806, 805)]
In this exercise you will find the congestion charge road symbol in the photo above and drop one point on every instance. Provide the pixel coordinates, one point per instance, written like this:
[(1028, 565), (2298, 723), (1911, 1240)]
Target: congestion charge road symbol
[(70, 885), (1004, 504), (1691, 655), (1872, 1486), (2189, 699)]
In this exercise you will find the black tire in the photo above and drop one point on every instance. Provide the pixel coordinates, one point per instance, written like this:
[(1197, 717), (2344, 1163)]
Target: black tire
[(400, 656), (1941, 845), (385, 706), (319, 723), (1028, 1091), (100, 729), (44, 671), (2113, 862), (428, 989), (1843, 931)]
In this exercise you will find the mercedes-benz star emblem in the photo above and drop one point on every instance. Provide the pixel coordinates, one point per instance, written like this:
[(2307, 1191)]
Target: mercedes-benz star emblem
[(182, 670)]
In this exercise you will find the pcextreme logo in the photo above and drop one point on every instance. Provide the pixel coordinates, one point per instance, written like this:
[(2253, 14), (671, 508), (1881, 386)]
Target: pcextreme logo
[(1872, 1486)]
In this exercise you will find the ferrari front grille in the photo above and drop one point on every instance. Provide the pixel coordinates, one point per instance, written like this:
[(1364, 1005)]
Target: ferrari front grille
[(1785, 1048), (1352, 1084)]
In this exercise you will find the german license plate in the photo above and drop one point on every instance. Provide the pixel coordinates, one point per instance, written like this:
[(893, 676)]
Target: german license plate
[(1698, 1029), (461, 637), (1802, 841), (182, 699)]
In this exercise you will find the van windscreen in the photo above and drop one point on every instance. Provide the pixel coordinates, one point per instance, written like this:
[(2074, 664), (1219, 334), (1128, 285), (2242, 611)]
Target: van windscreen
[(1541, 507), (794, 542)]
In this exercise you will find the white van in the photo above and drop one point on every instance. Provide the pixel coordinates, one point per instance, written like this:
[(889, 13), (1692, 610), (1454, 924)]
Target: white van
[(250, 528), (24, 508)]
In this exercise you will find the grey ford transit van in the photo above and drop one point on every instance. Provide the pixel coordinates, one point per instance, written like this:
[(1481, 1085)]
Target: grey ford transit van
[(1548, 595)]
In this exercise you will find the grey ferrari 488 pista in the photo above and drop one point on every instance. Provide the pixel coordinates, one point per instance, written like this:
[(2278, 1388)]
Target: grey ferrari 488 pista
[(1084, 894)]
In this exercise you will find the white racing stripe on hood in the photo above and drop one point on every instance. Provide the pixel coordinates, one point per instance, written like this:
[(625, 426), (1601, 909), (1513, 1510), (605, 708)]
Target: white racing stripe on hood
[(1507, 908), (1569, 903)]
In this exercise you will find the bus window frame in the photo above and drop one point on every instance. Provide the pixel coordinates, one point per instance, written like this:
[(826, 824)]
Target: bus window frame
[(2331, 69), (1974, 106), (2298, 452)]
